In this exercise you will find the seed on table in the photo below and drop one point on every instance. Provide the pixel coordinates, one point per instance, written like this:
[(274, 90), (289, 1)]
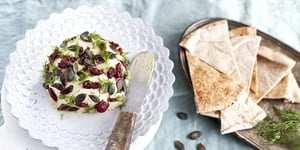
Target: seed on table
[(200, 146), (182, 115), (194, 135), (178, 145)]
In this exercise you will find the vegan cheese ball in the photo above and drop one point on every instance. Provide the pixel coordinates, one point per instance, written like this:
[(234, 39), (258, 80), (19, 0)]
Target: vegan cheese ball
[(86, 73)]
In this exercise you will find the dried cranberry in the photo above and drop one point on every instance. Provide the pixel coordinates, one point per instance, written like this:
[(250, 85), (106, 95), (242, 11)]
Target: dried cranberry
[(95, 71), (118, 73), (63, 64), (67, 90), (86, 84), (73, 59), (113, 45), (112, 99), (82, 104), (58, 86), (120, 50), (111, 72), (54, 55), (99, 59), (102, 106), (124, 63), (52, 94), (66, 58), (95, 85)]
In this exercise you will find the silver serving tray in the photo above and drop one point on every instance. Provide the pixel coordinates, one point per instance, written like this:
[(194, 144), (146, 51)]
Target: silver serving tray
[(249, 135)]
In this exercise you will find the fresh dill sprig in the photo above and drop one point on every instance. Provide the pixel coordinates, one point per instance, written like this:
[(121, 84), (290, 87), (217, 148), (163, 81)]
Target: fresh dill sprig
[(284, 130)]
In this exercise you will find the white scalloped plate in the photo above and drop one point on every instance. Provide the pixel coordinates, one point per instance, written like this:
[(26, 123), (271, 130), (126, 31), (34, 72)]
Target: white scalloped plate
[(82, 131)]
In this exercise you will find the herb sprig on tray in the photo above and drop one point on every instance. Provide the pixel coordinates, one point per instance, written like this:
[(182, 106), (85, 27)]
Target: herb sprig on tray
[(284, 130)]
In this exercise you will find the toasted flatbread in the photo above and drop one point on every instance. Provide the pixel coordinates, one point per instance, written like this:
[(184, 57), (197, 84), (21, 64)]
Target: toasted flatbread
[(287, 89), (243, 114), (212, 45), (254, 85), (213, 90), (242, 31), (245, 49), (272, 66)]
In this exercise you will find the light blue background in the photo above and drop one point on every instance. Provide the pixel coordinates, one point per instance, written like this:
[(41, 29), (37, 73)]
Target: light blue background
[(169, 18)]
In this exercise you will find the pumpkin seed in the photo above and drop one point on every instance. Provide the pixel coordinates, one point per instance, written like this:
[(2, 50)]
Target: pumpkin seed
[(72, 47), (90, 54), (85, 37), (62, 78), (111, 89), (94, 98), (200, 146), (194, 135), (73, 109), (75, 67), (63, 107), (80, 98), (120, 85), (179, 145), (63, 44), (70, 74), (182, 115)]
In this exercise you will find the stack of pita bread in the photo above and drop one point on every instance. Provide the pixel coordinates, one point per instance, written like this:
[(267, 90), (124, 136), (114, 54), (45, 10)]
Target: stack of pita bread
[(231, 72)]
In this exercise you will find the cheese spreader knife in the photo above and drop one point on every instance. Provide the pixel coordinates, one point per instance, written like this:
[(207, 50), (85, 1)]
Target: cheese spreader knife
[(140, 71)]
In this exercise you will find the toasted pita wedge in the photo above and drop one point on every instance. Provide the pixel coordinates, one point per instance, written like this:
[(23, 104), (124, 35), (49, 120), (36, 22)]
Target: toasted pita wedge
[(213, 114), (213, 90), (243, 114), (254, 85), (272, 66), (212, 45), (245, 49), (287, 89), (241, 31)]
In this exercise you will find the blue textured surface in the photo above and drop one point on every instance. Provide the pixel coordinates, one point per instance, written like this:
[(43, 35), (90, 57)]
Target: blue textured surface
[(169, 18)]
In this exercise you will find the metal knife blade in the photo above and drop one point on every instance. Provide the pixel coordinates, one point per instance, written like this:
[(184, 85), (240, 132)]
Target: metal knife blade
[(140, 70)]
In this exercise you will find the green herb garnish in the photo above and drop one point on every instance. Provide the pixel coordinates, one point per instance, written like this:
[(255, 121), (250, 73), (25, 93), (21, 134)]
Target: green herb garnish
[(284, 130), (89, 108), (70, 99), (101, 45), (105, 84), (105, 55), (95, 36), (82, 75)]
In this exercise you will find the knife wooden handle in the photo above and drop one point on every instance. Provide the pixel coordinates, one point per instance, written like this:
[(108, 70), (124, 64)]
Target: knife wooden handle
[(121, 134)]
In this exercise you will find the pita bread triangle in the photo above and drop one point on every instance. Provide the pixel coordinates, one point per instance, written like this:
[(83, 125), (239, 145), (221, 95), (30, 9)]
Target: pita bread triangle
[(272, 66), (213, 90), (244, 113), (212, 45), (287, 89)]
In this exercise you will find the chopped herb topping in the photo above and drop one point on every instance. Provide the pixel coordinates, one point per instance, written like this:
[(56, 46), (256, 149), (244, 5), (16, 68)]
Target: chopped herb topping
[(82, 75), (284, 130), (105, 84), (105, 55)]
